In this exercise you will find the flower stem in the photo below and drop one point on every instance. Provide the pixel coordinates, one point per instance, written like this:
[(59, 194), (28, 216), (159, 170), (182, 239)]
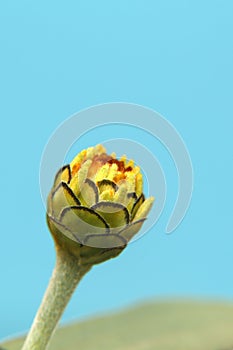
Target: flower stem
[(66, 276)]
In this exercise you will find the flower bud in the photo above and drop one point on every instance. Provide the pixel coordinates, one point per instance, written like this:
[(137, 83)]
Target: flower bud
[(97, 205)]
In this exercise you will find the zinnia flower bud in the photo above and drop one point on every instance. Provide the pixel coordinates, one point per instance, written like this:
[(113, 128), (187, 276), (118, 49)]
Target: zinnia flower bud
[(97, 202)]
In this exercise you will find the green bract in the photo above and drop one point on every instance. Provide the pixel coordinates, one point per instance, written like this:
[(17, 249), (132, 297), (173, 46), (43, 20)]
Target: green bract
[(97, 204)]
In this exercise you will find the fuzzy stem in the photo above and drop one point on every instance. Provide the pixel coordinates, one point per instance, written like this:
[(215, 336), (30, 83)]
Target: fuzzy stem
[(66, 276)]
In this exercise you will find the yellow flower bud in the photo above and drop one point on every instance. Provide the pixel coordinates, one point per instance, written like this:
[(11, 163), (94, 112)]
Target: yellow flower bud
[(97, 205)]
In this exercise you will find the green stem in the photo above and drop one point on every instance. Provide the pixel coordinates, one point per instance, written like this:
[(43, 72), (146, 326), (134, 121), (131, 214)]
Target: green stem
[(66, 276)]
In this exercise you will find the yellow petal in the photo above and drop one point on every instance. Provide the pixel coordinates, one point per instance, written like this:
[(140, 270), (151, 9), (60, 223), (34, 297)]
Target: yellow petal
[(138, 202), (113, 171), (64, 174), (89, 194), (144, 209), (78, 180), (131, 199), (131, 181), (77, 161), (102, 173), (115, 214), (105, 185), (121, 194), (107, 195), (139, 184)]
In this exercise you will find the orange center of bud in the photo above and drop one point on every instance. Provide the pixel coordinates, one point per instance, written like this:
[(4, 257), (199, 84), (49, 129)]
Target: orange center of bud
[(100, 160)]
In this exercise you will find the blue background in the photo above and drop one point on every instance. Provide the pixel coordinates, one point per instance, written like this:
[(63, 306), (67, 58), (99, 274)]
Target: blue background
[(173, 56)]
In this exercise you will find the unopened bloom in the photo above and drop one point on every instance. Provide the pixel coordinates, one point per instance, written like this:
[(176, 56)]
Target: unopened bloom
[(98, 201), (95, 207)]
